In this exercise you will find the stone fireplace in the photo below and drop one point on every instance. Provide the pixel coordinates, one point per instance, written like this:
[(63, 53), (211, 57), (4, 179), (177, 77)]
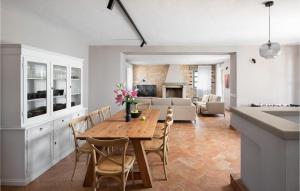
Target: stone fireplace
[(174, 85), (174, 90)]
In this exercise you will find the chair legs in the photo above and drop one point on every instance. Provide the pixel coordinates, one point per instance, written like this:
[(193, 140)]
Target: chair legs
[(76, 160), (165, 164), (87, 158), (165, 170), (132, 176), (123, 183), (164, 160)]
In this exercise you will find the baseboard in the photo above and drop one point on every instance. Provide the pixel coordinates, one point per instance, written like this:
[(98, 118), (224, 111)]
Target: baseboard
[(231, 127), (33, 176), (14, 182), (236, 183)]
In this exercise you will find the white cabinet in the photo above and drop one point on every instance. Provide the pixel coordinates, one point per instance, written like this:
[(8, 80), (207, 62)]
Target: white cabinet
[(48, 144), (36, 80), (62, 137), (39, 85), (40, 141), (51, 86), (76, 86), (59, 87), (41, 93)]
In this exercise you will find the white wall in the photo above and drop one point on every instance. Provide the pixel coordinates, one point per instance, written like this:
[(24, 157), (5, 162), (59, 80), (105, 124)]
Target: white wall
[(270, 81), (226, 91), (22, 26)]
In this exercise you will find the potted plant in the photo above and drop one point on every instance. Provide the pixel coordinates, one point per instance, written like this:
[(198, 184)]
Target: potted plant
[(125, 96)]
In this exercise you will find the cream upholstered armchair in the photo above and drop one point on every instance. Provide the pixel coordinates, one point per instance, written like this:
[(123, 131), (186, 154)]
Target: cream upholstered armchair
[(210, 104)]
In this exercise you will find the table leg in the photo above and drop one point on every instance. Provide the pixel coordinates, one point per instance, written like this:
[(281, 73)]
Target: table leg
[(142, 163), (88, 180)]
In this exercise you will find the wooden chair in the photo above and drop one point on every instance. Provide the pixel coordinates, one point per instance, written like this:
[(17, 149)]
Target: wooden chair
[(142, 106), (95, 117), (160, 126), (105, 112), (158, 145), (79, 125), (110, 165)]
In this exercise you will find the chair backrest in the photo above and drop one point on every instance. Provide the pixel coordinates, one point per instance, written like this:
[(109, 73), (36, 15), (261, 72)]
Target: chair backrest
[(142, 106), (100, 146), (170, 112), (79, 125), (105, 112), (168, 124), (94, 117)]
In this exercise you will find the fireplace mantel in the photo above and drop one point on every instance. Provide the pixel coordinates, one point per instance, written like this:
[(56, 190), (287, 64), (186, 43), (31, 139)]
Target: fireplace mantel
[(174, 90)]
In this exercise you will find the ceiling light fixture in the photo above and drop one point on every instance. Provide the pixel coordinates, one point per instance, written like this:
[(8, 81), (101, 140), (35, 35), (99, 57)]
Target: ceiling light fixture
[(110, 6), (269, 49)]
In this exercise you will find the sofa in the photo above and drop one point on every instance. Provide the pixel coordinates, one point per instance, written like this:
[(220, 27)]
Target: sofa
[(210, 104), (184, 109)]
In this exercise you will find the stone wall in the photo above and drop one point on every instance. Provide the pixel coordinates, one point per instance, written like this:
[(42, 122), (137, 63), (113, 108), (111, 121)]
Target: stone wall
[(213, 79), (187, 72), (154, 74)]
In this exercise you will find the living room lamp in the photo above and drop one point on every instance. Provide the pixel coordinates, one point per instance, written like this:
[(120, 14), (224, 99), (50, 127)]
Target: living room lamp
[(269, 49)]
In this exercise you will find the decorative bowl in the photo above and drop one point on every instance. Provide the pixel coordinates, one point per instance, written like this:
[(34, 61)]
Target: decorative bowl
[(136, 115)]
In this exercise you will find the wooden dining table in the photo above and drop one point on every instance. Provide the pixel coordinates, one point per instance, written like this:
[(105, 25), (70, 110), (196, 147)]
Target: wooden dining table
[(137, 130)]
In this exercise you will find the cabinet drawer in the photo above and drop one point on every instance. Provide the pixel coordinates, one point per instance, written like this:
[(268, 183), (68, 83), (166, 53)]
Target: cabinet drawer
[(41, 130), (39, 153), (62, 122), (78, 114)]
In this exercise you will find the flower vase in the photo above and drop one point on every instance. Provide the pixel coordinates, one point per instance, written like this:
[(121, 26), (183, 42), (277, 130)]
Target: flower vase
[(128, 111)]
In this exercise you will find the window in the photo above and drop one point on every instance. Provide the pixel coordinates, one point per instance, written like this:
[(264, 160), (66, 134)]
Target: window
[(203, 84), (195, 78)]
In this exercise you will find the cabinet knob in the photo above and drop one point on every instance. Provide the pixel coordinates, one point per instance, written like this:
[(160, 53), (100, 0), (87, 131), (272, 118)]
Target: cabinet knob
[(62, 120), (55, 143), (41, 129)]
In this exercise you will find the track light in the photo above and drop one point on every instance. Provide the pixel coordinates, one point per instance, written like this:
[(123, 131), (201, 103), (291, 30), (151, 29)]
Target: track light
[(143, 43), (111, 4)]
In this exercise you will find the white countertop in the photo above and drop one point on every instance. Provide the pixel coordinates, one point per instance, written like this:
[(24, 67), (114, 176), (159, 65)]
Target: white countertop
[(276, 125)]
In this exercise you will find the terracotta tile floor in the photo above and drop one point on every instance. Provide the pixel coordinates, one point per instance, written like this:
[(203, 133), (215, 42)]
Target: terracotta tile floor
[(201, 157)]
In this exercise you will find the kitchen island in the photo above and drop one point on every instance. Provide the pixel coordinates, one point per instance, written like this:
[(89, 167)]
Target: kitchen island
[(269, 147)]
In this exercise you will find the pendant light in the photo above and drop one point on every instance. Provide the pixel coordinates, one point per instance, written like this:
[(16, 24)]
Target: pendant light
[(269, 49)]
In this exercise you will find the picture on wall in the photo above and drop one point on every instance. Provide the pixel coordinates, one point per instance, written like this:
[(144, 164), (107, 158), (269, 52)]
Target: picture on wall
[(226, 80)]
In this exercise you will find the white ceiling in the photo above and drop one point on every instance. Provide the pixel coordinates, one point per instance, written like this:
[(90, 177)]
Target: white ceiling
[(176, 59), (171, 22)]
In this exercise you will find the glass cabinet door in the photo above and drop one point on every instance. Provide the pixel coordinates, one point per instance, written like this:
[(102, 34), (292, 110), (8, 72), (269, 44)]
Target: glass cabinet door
[(75, 86), (59, 88), (36, 89)]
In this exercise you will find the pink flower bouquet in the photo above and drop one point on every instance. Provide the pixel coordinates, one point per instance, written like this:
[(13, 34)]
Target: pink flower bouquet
[(124, 96)]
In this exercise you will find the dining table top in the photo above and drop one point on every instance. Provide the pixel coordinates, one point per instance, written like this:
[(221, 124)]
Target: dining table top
[(117, 127)]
